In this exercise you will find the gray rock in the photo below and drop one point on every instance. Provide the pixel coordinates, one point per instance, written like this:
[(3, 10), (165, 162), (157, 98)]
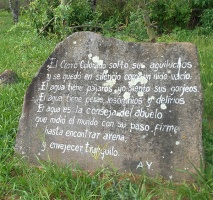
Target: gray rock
[(8, 77), (102, 102)]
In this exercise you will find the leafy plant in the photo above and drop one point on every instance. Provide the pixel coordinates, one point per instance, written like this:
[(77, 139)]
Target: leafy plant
[(170, 14), (117, 9), (202, 3), (51, 17), (207, 21), (136, 27)]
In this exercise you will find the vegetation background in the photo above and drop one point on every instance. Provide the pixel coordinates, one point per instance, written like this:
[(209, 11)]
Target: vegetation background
[(24, 47)]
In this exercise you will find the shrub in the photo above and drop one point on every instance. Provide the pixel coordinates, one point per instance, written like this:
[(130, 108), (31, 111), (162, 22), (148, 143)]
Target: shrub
[(170, 14), (207, 21), (118, 9), (136, 27), (51, 17), (113, 16)]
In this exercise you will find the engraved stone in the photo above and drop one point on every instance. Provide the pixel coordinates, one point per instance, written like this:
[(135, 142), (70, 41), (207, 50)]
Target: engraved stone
[(102, 102)]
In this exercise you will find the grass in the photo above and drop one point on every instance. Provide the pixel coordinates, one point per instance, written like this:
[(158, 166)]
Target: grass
[(23, 51)]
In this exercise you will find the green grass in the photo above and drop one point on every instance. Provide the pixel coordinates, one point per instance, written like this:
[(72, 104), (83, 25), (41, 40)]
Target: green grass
[(24, 52)]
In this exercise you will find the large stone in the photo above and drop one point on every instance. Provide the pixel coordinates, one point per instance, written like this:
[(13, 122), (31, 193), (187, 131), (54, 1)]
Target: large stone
[(103, 102)]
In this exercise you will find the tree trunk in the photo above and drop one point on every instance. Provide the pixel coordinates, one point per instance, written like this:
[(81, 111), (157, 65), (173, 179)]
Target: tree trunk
[(14, 10), (148, 24)]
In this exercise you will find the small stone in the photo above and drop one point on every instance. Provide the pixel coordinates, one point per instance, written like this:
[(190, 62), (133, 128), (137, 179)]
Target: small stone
[(8, 77)]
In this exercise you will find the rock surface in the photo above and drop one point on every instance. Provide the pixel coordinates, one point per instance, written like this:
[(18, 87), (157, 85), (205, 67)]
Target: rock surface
[(103, 102), (8, 77)]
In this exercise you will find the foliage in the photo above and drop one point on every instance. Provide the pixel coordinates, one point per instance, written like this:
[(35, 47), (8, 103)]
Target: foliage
[(4, 4), (136, 27), (170, 14), (166, 15), (208, 139), (113, 8), (207, 21), (40, 13), (51, 17), (202, 3)]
